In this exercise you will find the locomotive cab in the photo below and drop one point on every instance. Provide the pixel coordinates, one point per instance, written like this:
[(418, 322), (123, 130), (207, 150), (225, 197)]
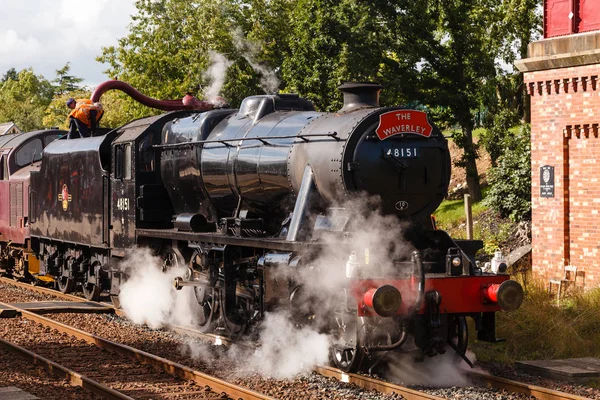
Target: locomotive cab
[(140, 199)]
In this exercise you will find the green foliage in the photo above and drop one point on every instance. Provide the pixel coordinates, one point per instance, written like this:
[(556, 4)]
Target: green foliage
[(64, 82), (10, 74), (450, 215), (510, 180), (460, 58), (24, 100), (494, 136), (170, 44), (350, 40)]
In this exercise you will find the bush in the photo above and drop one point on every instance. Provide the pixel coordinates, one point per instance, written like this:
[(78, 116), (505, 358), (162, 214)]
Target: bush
[(510, 179), (497, 129)]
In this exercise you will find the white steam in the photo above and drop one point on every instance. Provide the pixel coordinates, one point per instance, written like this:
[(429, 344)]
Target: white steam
[(216, 74), (289, 344), (287, 349), (148, 295), (249, 50), (219, 64), (443, 370), (284, 349)]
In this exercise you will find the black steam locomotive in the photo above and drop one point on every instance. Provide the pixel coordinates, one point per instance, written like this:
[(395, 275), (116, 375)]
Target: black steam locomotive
[(251, 201)]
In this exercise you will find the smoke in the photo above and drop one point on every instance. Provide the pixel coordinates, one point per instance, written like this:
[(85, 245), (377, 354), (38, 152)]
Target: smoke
[(216, 74), (375, 239), (292, 340), (148, 295), (285, 350), (293, 344), (219, 64), (248, 49), (440, 371)]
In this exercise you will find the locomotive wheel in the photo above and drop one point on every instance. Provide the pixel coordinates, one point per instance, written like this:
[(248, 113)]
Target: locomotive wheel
[(91, 291), (206, 308), (242, 309), (205, 295), (65, 285), (458, 334), (347, 352)]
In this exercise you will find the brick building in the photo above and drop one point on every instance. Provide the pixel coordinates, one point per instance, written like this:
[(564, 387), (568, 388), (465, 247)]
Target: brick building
[(562, 75)]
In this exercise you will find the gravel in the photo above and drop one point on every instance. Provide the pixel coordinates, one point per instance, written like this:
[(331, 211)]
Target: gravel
[(17, 372)]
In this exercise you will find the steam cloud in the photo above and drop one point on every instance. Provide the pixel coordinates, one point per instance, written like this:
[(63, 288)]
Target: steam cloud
[(285, 347), (149, 297), (249, 50), (219, 64), (440, 371), (285, 350), (216, 74)]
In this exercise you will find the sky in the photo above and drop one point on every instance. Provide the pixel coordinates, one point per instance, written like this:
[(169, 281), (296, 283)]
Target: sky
[(46, 34)]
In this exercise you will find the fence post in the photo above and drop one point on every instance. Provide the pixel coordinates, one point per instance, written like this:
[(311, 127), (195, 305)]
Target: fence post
[(469, 215)]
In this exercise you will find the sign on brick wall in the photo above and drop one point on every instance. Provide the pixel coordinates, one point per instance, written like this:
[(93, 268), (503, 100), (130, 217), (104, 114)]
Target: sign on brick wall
[(547, 181)]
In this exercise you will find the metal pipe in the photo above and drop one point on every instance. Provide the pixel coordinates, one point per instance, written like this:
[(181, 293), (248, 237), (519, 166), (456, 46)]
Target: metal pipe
[(188, 102), (262, 139), (393, 346), (302, 203), (418, 263)]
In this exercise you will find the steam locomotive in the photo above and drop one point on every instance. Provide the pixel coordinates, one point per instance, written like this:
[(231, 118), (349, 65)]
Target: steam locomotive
[(251, 201)]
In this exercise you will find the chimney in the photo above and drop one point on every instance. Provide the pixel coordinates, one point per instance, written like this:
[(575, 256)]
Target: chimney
[(359, 95)]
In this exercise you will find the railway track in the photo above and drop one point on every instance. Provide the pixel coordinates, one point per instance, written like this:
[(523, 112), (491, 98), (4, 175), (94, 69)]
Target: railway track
[(369, 383), (122, 372), (366, 382)]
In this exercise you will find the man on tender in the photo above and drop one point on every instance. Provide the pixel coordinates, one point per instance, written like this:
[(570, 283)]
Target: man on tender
[(84, 118)]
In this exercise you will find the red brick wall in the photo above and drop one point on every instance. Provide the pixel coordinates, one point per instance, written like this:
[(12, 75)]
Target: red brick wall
[(565, 114)]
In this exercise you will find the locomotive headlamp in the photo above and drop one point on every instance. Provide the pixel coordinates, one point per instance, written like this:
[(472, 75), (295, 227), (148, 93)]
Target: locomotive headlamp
[(508, 295), (456, 261), (385, 300)]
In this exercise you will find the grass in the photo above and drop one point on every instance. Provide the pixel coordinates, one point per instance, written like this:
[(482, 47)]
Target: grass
[(450, 217), (451, 213)]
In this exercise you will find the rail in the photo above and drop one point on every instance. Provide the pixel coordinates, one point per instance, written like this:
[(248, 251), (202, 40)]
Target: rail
[(489, 381), (170, 367)]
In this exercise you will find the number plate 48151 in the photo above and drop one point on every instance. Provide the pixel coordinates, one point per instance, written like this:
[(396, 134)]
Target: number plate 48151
[(401, 152)]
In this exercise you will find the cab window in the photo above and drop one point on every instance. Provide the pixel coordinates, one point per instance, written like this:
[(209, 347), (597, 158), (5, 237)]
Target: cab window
[(30, 152), (123, 161), (146, 154), (49, 139)]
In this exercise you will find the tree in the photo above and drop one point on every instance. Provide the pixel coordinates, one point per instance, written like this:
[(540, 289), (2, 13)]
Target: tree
[(24, 100), (10, 74), (521, 24), (460, 58), (167, 51), (349, 40), (64, 82)]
